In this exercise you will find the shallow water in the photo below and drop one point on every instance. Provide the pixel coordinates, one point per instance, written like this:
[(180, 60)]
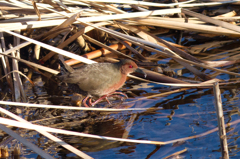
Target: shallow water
[(180, 115)]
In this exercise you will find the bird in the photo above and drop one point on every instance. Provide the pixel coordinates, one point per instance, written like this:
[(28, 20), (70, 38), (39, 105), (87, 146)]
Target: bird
[(99, 79)]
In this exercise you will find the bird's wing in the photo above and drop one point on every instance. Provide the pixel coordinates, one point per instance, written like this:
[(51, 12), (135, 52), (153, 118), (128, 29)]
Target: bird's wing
[(94, 78), (99, 76)]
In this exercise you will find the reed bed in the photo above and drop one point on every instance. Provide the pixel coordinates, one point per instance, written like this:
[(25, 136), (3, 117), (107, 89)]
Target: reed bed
[(35, 34)]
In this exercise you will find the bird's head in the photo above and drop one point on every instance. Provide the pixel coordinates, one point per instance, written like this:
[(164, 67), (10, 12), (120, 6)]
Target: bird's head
[(128, 66)]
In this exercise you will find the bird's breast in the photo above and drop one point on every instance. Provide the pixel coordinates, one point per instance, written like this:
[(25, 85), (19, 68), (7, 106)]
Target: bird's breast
[(116, 85)]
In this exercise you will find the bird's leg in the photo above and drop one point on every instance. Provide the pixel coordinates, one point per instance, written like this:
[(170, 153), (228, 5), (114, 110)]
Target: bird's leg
[(93, 103), (108, 101), (85, 101), (117, 94), (113, 94), (98, 100)]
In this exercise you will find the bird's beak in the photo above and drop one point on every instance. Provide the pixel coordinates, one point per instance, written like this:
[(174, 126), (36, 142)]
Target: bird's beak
[(141, 71)]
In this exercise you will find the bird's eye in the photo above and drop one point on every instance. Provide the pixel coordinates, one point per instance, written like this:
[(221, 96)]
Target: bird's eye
[(130, 66)]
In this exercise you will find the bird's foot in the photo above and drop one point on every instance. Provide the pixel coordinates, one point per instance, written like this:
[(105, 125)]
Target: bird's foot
[(113, 94), (120, 95), (85, 101)]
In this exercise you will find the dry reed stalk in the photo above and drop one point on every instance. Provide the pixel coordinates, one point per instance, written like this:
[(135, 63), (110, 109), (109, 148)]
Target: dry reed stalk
[(9, 16), (220, 119), (196, 20), (55, 5), (83, 44), (202, 84), (37, 49), (60, 131), (63, 6), (68, 107), (131, 48), (97, 53), (76, 3), (137, 40), (20, 74), (129, 126), (185, 26), (212, 20), (71, 39), (9, 80), (64, 27), (34, 64), (18, 87), (125, 35), (48, 135), (207, 4), (25, 142), (229, 14), (36, 10), (154, 76), (130, 15), (63, 52), (44, 17), (229, 69), (139, 3), (17, 94), (161, 94), (168, 84), (178, 51), (107, 47), (202, 134), (97, 6), (132, 38), (190, 62), (16, 42), (65, 24), (221, 63), (175, 91), (216, 55), (3, 47), (16, 47), (145, 35), (230, 55), (18, 4), (114, 9), (139, 32), (124, 16), (176, 153), (137, 7), (197, 49)]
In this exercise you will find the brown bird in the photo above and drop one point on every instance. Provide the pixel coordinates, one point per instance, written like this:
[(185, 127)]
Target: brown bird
[(100, 79)]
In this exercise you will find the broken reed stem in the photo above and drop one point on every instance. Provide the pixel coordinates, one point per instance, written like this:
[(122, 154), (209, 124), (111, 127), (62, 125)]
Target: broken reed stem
[(132, 39), (48, 135), (129, 126), (18, 87), (4, 64), (5, 61), (68, 107), (60, 131), (20, 74), (176, 154), (220, 118), (212, 20), (25, 142), (96, 42)]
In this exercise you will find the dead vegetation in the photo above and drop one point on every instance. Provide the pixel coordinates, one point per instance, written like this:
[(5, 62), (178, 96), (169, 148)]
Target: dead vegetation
[(186, 45)]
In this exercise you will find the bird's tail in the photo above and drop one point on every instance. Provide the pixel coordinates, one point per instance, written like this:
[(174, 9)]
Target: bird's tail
[(65, 69)]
